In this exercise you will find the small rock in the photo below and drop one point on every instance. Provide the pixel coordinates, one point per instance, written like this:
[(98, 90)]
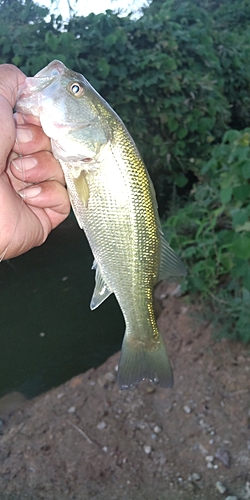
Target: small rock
[(157, 429), (220, 487), (223, 456), (210, 465), (101, 425), (150, 388), (107, 379), (60, 395), (187, 409), (147, 449), (202, 449), (177, 292), (209, 458), (194, 477), (231, 498), (72, 409)]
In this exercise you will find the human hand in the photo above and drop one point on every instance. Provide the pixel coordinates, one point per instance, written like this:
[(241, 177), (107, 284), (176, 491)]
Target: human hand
[(33, 197)]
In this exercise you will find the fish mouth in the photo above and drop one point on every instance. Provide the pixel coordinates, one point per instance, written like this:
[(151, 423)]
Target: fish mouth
[(53, 69), (41, 80)]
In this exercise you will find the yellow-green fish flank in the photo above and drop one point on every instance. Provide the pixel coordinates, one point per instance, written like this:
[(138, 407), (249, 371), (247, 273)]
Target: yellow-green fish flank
[(114, 202)]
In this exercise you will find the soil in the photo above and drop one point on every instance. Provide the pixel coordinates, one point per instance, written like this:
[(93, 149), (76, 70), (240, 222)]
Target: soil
[(87, 440)]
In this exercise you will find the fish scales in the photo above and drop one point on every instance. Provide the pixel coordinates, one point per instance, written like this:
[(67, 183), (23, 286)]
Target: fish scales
[(115, 210), (114, 202)]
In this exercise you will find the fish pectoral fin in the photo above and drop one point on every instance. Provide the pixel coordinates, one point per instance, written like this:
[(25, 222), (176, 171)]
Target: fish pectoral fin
[(82, 188), (140, 361), (101, 291), (170, 264)]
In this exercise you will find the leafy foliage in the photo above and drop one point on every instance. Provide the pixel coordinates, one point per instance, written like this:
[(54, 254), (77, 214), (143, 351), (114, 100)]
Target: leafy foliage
[(215, 242)]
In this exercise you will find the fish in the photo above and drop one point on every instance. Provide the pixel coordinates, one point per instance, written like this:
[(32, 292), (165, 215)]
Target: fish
[(115, 204)]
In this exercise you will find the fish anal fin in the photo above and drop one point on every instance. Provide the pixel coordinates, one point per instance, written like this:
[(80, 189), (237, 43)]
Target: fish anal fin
[(82, 188), (170, 263), (101, 291), (140, 361)]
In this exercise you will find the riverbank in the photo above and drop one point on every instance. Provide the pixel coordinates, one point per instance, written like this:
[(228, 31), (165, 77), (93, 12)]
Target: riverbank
[(86, 440)]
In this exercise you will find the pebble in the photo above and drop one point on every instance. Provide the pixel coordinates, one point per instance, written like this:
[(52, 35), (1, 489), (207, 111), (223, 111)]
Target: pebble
[(231, 498), (157, 429), (60, 395), (209, 458), (223, 456), (105, 380), (147, 449), (101, 425), (220, 487), (194, 477), (72, 409), (150, 388), (202, 449), (187, 409)]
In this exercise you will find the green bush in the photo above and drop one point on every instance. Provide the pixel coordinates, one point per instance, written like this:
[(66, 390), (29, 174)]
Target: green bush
[(212, 232), (161, 73)]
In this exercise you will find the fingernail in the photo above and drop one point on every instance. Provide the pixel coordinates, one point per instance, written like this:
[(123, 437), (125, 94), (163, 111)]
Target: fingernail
[(30, 192), (23, 135), (26, 163)]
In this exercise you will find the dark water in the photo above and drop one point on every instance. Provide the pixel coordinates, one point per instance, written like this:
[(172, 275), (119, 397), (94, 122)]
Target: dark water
[(47, 332)]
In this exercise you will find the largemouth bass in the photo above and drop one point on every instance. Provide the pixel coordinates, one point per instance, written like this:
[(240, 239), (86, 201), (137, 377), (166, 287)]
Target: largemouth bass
[(114, 203)]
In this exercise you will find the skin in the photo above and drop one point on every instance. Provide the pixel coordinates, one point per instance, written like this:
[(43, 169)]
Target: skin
[(33, 196)]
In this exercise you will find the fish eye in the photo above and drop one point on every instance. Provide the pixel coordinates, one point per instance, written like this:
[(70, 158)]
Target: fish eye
[(76, 89)]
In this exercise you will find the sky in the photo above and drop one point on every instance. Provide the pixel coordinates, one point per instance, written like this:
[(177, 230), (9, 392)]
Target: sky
[(84, 7)]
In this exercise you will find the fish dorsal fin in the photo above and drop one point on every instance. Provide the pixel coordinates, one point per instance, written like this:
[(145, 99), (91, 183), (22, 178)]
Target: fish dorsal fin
[(82, 188), (170, 264), (101, 291)]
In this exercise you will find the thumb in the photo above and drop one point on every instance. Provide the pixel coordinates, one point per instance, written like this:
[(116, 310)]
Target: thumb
[(8, 132), (10, 80)]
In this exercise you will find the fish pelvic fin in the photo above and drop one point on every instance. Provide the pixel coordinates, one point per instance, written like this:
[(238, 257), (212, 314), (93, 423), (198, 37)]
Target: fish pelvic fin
[(101, 291), (142, 360)]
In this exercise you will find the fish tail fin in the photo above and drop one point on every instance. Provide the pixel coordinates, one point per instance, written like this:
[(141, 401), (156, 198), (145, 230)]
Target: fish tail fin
[(144, 360)]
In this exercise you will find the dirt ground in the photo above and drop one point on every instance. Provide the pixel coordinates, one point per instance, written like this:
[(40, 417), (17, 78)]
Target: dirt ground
[(86, 440)]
